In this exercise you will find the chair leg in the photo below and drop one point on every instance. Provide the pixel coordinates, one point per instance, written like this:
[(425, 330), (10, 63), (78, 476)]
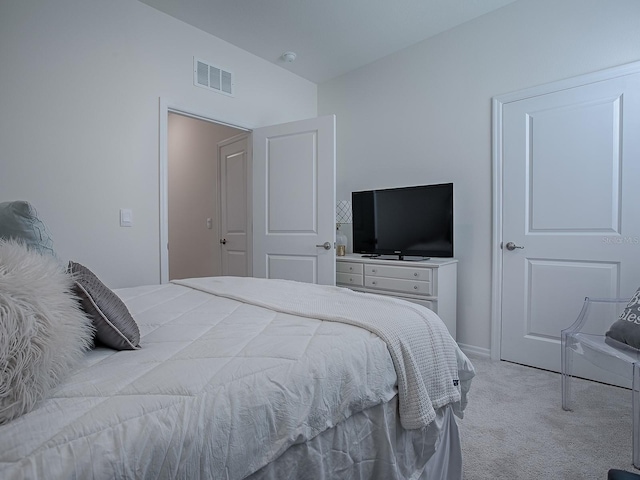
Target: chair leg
[(567, 371), (635, 400)]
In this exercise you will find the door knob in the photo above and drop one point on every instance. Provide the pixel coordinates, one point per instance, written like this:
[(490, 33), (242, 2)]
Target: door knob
[(223, 241), (512, 246), (325, 245)]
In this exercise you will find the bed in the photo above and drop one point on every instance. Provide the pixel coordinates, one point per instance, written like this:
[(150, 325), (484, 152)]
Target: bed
[(238, 378)]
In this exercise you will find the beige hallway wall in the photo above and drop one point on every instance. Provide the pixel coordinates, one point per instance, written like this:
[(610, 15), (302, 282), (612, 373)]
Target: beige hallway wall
[(193, 195)]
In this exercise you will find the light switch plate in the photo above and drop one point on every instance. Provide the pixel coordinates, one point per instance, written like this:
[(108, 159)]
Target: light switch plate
[(126, 217)]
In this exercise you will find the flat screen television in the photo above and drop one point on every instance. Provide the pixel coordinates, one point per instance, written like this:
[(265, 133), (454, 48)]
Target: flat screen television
[(406, 222)]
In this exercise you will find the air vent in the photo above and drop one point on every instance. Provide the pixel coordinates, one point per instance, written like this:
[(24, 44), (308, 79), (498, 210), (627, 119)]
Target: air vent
[(214, 78)]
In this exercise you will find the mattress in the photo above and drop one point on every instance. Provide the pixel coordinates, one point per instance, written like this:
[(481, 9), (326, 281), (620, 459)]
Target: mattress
[(220, 389)]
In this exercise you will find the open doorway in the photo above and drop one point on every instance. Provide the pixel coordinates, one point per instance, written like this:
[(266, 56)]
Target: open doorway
[(193, 195), (302, 146)]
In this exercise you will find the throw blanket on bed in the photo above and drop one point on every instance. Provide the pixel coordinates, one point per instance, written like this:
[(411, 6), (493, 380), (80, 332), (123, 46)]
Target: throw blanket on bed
[(423, 352)]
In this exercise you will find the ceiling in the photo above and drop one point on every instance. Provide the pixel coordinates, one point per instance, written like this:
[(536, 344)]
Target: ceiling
[(330, 37)]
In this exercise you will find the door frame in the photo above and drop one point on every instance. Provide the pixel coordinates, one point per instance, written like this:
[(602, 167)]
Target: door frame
[(165, 107), (497, 104)]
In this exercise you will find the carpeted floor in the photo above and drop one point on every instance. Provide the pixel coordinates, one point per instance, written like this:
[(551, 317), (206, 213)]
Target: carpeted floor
[(514, 426)]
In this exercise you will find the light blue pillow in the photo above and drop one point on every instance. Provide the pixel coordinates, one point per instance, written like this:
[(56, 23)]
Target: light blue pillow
[(19, 221)]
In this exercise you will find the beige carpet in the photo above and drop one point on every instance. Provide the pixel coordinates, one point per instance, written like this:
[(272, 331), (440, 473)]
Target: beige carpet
[(515, 428)]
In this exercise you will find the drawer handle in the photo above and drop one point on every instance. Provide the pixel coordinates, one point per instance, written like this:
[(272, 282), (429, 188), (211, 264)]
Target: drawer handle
[(373, 283), (415, 287), (350, 268), (373, 270), (351, 280), (415, 274)]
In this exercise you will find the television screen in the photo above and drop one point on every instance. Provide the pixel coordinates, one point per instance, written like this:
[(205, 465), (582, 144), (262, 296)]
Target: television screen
[(408, 221)]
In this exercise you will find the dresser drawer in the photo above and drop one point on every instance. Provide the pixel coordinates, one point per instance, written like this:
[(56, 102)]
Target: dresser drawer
[(399, 285), (408, 273), (349, 267), (349, 279), (430, 304)]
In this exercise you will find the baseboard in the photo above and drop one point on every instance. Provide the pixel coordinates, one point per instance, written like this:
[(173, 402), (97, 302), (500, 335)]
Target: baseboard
[(475, 351)]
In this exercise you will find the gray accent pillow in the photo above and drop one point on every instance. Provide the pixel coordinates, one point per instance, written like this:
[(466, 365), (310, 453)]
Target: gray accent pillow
[(19, 221), (627, 328), (115, 327)]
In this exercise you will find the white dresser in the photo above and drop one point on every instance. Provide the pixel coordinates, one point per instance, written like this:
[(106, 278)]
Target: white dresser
[(432, 283)]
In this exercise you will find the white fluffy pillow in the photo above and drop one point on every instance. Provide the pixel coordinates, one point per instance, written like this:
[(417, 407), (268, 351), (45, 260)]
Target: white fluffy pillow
[(43, 331)]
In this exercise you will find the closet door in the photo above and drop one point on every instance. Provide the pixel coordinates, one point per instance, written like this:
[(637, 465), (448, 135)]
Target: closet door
[(570, 211)]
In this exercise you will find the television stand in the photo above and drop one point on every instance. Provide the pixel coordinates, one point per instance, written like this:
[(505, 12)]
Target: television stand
[(430, 283)]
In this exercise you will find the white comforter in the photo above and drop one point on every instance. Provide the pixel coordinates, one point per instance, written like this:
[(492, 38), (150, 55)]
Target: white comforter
[(424, 354), (219, 389)]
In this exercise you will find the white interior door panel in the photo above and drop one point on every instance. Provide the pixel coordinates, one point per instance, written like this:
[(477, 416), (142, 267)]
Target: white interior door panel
[(294, 201), (570, 174)]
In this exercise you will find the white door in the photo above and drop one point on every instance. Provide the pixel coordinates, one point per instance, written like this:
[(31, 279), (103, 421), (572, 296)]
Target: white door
[(294, 225), (571, 176), (234, 213)]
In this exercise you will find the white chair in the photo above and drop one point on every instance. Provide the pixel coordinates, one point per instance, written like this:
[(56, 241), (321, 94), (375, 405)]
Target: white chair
[(586, 337)]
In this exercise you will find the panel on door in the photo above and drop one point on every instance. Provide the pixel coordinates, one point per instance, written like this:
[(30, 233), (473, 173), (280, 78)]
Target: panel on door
[(578, 277), (292, 267), (294, 201), (569, 173), (291, 189)]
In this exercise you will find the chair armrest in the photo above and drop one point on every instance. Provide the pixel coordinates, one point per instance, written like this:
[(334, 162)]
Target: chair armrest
[(587, 308)]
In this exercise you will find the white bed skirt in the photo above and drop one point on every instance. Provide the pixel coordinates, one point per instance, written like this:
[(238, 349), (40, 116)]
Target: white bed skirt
[(372, 445)]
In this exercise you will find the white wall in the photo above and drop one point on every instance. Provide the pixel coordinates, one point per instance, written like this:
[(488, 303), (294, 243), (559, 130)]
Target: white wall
[(423, 115), (80, 82)]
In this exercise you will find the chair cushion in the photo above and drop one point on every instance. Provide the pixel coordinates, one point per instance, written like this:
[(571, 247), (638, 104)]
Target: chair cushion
[(19, 221), (627, 328)]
